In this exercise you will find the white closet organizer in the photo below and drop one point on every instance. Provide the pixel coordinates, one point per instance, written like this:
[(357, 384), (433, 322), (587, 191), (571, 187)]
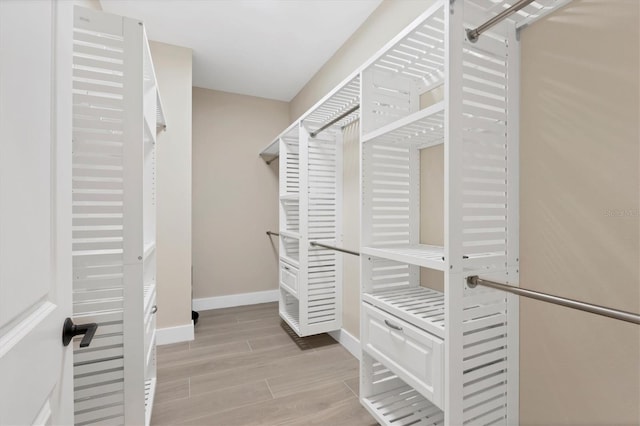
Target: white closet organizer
[(116, 117), (431, 357), (310, 210)]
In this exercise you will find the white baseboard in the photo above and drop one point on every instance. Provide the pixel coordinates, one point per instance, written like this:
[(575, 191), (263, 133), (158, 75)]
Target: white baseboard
[(232, 300), (348, 340), (168, 335)]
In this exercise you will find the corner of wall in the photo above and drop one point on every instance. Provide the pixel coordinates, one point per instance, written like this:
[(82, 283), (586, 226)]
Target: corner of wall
[(173, 66)]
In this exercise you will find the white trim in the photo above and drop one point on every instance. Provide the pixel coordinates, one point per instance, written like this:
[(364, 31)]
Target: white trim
[(348, 341), (168, 335), (232, 300)]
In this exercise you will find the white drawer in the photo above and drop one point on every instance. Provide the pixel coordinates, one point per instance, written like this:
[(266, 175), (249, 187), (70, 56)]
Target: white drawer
[(289, 278), (414, 355)]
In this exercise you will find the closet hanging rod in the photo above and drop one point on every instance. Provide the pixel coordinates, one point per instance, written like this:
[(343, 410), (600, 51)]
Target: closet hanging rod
[(335, 120), (474, 280), (317, 244), (270, 233), (474, 34)]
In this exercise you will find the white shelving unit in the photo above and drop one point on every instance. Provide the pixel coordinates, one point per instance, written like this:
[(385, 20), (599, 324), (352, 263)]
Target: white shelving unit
[(310, 210), (117, 114), (449, 357)]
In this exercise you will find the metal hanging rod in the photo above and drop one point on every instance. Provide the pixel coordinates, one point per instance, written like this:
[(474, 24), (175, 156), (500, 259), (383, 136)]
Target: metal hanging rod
[(270, 233), (335, 120), (557, 300), (317, 244), (474, 34)]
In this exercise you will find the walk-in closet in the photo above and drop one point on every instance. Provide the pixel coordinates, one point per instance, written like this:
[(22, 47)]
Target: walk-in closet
[(281, 213)]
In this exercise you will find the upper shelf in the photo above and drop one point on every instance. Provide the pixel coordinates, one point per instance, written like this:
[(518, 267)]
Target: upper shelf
[(340, 107), (161, 122), (289, 135), (421, 129), (151, 86), (417, 53), (271, 152), (414, 254)]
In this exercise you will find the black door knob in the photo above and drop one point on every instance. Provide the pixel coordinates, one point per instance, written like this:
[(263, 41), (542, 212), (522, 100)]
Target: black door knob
[(69, 330)]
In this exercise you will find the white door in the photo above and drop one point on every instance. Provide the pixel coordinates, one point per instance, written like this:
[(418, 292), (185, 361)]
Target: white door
[(35, 211)]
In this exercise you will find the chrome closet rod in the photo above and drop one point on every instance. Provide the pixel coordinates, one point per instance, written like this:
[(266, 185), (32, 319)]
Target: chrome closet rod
[(335, 120), (474, 280), (270, 233), (473, 35), (315, 243)]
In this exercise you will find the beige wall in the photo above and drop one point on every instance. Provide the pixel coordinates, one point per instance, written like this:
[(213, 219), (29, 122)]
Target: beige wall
[(173, 167), (432, 209), (235, 193), (579, 163), (351, 229)]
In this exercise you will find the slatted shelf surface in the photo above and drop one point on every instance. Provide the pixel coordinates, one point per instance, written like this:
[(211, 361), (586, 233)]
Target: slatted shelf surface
[(271, 151), (424, 255), (412, 65), (392, 402), (420, 54), (420, 130), (404, 406), (337, 104)]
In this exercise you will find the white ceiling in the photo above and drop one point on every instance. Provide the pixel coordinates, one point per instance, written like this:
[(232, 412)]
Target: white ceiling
[(265, 48)]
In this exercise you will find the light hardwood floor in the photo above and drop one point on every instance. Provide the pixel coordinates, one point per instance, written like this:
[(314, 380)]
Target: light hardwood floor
[(246, 367)]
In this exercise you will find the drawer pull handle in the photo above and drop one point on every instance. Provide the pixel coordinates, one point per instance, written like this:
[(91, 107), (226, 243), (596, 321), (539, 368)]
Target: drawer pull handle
[(286, 268), (154, 309), (391, 325)]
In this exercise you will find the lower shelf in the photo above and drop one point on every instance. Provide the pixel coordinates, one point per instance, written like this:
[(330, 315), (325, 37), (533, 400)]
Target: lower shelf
[(290, 310), (403, 406)]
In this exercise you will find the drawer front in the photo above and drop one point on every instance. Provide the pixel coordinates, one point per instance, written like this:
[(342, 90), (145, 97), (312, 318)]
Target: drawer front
[(414, 355), (289, 277)]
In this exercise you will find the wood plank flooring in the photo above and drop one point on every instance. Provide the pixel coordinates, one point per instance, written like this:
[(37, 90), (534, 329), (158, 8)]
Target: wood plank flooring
[(246, 367)]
